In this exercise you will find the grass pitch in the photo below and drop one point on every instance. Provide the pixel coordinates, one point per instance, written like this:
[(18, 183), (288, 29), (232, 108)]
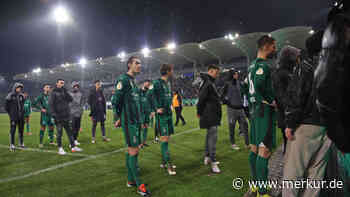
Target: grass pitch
[(99, 171)]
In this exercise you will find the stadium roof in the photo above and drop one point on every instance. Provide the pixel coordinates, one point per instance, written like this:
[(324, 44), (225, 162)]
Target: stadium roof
[(221, 50)]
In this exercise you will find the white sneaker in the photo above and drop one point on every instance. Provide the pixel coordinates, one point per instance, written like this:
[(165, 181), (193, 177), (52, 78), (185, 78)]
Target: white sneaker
[(76, 149), (93, 141), (61, 151), (215, 168), (206, 160), (76, 143), (12, 147), (235, 147)]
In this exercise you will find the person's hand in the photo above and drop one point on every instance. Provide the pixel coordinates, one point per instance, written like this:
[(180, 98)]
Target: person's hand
[(160, 110), (117, 124), (289, 134), (198, 116), (43, 110), (274, 104), (144, 126), (153, 114)]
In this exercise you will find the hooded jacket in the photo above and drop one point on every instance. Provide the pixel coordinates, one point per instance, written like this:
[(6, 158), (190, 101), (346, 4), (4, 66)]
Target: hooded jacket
[(14, 105), (209, 105), (59, 100), (281, 77), (77, 105)]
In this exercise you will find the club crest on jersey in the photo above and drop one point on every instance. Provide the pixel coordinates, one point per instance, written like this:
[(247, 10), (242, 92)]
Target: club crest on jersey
[(119, 85), (260, 71), (150, 87)]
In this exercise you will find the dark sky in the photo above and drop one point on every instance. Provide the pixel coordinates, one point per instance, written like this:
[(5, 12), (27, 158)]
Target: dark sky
[(29, 38)]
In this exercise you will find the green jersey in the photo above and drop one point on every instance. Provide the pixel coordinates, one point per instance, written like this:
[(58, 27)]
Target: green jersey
[(260, 82), (42, 102), (146, 104), (162, 96), (27, 107), (127, 101)]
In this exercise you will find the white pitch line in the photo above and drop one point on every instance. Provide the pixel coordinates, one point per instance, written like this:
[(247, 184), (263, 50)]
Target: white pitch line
[(75, 162), (45, 151)]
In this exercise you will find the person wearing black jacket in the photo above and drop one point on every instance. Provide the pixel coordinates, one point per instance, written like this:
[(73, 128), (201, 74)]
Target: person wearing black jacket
[(14, 106), (288, 58), (209, 113), (233, 98), (59, 100), (98, 107), (308, 145)]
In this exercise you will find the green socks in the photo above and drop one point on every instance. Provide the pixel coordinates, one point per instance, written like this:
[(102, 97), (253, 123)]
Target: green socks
[(130, 177), (133, 168), (144, 136), (252, 163), (165, 151), (41, 136), (262, 171), (51, 135), (28, 127)]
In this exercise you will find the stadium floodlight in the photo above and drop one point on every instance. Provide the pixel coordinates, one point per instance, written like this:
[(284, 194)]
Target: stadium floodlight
[(51, 72), (121, 55), (236, 35), (82, 62), (37, 70), (145, 51), (234, 43), (61, 15), (171, 46), (25, 76), (311, 31)]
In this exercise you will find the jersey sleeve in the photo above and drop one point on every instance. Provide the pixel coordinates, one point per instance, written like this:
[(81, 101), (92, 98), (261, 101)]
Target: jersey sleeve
[(117, 102), (37, 103)]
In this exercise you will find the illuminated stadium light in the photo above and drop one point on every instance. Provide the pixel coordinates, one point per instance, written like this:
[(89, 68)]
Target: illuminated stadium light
[(145, 51), (25, 76), (171, 46), (234, 43), (236, 35), (82, 62), (311, 31), (121, 55), (201, 46), (37, 70), (61, 15), (51, 72)]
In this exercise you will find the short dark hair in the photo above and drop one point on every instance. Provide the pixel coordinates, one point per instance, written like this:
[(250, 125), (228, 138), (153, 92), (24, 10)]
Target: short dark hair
[(147, 80), (264, 40), (212, 66), (59, 80), (46, 84), (165, 68), (130, 60), (97, 81)]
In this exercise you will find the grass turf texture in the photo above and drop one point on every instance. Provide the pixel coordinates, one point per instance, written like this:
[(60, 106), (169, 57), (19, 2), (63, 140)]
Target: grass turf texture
[(105, 175)]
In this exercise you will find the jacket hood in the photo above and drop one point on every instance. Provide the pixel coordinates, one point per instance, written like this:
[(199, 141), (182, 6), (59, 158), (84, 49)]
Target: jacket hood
[(288, 58), (75, 83), (15, 86)]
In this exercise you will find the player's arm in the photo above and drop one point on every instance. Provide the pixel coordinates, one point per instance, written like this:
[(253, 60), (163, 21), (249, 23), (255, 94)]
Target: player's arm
[(118, 99), (157, 96)]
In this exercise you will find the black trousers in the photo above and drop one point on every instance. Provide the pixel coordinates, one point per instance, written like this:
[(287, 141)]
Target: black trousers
[(20, 125), (76, 121), (94, 125), (178, 111), (60, 124)]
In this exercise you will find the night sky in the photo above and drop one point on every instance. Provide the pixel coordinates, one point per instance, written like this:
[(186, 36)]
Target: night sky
[(30, 38)]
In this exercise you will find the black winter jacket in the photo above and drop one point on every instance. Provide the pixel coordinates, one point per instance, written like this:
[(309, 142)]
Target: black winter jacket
[(300, 101), (209, 105), (93, 102), (332, 82), (59, 100), (14, 105)]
